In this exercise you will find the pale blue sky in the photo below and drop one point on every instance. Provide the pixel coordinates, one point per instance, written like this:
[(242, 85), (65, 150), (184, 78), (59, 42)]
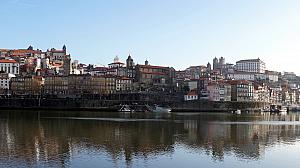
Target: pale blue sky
[(174, 33)]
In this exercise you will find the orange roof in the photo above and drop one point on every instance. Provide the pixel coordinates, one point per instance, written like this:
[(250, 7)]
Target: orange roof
[(124, 78), (8, 61), (192, 93), (235, 82), (22, 51)]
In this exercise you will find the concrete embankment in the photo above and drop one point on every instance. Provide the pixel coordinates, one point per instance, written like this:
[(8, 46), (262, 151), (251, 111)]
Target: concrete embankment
[(112, 105)]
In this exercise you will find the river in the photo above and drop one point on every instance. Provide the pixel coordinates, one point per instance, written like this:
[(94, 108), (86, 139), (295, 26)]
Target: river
[(91, 139)]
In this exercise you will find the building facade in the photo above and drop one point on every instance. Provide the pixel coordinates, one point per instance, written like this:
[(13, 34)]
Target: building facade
[(251, 65), (9, 66), (149, 75), (219, 91), (241, 90), (27, 86)]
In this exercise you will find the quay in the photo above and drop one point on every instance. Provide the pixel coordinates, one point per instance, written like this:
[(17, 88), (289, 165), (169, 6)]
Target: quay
[(105, 105)]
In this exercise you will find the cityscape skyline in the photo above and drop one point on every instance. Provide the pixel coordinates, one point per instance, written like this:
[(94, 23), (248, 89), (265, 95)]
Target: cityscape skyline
[(185, 33)]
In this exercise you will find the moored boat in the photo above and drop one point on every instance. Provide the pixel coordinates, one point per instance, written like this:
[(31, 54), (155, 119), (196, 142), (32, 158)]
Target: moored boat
[(159, 109), (278, 109), (126, 109)]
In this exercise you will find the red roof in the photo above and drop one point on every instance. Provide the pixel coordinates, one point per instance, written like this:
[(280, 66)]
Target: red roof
[(8, 61), (235, 82), (192, 93)]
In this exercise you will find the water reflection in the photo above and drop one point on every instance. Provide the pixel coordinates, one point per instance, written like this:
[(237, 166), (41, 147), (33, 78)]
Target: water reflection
[(38, 139)]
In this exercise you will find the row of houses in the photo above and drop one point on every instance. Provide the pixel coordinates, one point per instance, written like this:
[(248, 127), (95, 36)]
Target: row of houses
[(69, 86), (245, 91)]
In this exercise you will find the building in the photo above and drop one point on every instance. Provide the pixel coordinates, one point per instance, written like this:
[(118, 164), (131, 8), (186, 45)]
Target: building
[(110, 84), (252, 76), (149, 75), (251, 65), (191, 95), (56, 85), (208, 68), (219, 91), (272, 76), (98, 71), (195, 72), (60, 59), (9, 66), (124, 84), (130, 66), (241, 90), (117, 68), (289, 76), (29, 85), (5, 83), (56, 55), (79, 85), (275, 95), (216, 75), (240, 75), (192, 84), (261, 93), (215, 63), (97, 85), (286, 99)]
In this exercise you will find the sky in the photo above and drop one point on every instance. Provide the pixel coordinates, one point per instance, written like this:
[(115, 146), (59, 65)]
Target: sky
[(177, 33)]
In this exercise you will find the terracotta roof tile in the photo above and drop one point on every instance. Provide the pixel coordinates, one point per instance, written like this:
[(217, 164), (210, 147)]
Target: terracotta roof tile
[(8, 61)]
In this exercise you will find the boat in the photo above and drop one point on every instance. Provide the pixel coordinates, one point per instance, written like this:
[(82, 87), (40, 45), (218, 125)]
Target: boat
[(283, 110), (238, 111), (278, 109), (126, 108), (159, 109)]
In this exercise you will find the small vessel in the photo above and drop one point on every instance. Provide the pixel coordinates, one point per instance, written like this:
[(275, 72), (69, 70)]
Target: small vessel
[(278, 109), (159, 109), (125, 108), (266, 109), (283, 110), (238, 112)]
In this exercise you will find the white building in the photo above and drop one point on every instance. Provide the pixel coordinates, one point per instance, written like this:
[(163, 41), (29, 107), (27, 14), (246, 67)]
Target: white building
[(192, 95), (9, 66), (239, 75), (4, 80), (261, 93), (251, 76), (251, 65)]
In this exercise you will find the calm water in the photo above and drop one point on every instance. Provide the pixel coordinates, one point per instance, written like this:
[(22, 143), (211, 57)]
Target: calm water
[(85, 139)]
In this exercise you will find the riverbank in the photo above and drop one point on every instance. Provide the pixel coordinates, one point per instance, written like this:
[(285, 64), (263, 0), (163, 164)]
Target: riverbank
[(114, 105)]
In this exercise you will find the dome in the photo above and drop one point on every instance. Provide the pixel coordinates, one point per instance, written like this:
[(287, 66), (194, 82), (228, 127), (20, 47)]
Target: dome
[(116, 59)]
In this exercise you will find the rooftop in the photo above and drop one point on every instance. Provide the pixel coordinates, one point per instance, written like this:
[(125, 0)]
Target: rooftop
[(151, 66), (249, 60), (8, 61)]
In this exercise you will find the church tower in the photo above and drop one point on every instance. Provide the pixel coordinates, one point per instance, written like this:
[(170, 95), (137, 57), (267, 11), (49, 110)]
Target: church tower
[(65, 49), (208, 68), (215, 63), (129, 62)]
